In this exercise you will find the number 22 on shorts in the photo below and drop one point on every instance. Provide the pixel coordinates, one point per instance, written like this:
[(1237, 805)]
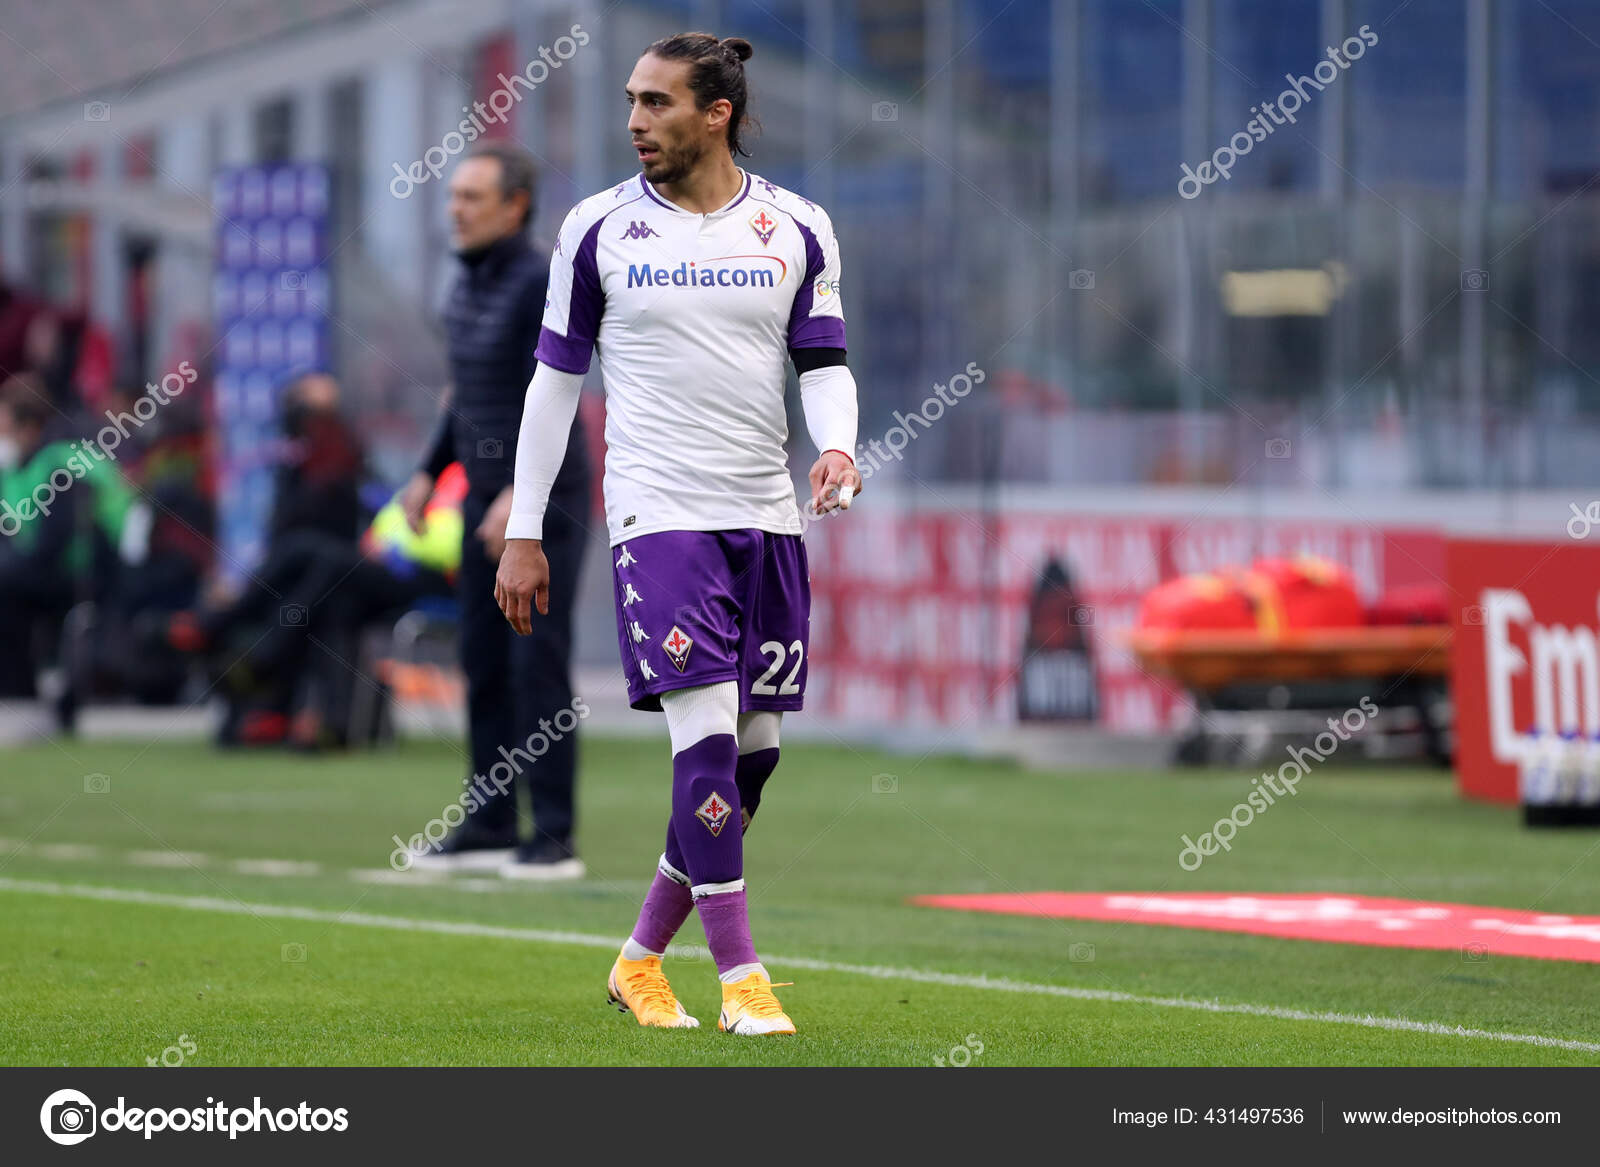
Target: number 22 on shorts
[(763, 687)]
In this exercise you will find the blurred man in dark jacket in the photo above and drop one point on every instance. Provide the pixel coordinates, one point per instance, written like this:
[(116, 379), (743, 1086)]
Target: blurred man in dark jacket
[(513, 683)]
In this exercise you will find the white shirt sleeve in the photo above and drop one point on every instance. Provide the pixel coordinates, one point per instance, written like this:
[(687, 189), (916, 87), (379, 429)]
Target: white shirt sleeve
[(828, 396), (547, 412), (817, 318), (574, 301)]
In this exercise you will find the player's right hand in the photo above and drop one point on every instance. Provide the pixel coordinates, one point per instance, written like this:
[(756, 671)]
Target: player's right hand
[(523, 582), (834, 482), (414, 496)]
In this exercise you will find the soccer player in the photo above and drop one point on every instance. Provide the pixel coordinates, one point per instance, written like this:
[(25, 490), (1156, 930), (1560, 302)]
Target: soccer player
[(695, 280)]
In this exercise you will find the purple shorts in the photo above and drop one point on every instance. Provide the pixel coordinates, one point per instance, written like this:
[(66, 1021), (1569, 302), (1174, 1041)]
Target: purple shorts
[(697, 607)]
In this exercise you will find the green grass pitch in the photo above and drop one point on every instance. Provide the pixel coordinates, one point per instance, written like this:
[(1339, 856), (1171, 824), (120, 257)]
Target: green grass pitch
[(312, 964)]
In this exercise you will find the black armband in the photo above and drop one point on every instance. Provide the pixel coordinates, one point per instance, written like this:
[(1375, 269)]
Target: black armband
[(806, 359)]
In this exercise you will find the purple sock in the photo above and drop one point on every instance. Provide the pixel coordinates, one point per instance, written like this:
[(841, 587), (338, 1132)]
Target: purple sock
[(705, 810), (705, 819), (726, 919), (750, 775), (666, 906)]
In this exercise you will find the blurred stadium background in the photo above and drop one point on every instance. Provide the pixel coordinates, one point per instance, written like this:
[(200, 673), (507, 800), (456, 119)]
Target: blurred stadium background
[(1371, 335), (1373, 342)]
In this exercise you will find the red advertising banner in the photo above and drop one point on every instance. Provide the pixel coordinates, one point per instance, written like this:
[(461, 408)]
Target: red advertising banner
[(959, 618), (1526, 630), (1473, 931)]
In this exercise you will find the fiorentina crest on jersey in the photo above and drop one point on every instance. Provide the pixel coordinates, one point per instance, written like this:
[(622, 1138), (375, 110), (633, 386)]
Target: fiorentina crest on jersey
[(678, 645), (715, 813), (763, 225)]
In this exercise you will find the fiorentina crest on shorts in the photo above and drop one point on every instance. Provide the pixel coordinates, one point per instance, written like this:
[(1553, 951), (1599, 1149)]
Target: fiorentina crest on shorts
[(714, 812), (678, 646), (763, 225)]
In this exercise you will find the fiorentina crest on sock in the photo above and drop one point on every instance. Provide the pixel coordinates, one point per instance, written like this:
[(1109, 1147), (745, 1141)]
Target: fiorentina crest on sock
[(715, 813), (678, 646)]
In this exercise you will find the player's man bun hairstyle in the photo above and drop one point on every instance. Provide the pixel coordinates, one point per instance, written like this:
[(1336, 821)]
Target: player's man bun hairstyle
[(716, 71)]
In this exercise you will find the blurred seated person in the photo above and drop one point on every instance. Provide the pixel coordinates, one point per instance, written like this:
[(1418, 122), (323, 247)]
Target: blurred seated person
[(318, 483), (67, 521), (288, 646)]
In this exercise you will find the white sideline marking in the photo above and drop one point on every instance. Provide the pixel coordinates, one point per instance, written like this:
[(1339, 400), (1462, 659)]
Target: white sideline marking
[(388, 875), (880, 972), (167, 858), (276, 867)]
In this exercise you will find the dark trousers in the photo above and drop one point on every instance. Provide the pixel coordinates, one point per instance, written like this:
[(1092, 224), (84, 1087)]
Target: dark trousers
[(515, 681), (32, 607)]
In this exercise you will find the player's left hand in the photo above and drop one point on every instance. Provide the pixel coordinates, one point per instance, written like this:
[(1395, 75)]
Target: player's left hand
[(831, 473), (492, 530)]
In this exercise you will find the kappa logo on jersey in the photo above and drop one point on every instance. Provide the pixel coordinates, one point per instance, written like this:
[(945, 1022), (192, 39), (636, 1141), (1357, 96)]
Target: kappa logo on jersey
[(630, 596), (638, 230), (626, 559), (616, 191), (763, 225), (715, 813), (646, 671), (639, 634), (678, 645)]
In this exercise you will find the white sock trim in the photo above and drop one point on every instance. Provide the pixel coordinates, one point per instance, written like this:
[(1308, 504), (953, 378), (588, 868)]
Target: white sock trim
[(633, 950), (701, 711), (701, 890), (740, 971), (759, 729), (670, 871)]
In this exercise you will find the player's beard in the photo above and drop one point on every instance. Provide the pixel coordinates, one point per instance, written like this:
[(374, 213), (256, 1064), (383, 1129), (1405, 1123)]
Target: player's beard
[(674, 165)]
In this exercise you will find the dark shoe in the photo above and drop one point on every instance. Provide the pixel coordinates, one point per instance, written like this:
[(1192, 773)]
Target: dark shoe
[(545, 860), (467, 848)]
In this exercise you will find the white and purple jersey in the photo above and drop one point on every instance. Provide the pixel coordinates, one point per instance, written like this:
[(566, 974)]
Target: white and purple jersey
[(693, 315)]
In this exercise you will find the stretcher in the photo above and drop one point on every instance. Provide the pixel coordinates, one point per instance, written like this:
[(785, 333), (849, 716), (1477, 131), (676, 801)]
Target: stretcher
[(1204, 661), (1253, 690)]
